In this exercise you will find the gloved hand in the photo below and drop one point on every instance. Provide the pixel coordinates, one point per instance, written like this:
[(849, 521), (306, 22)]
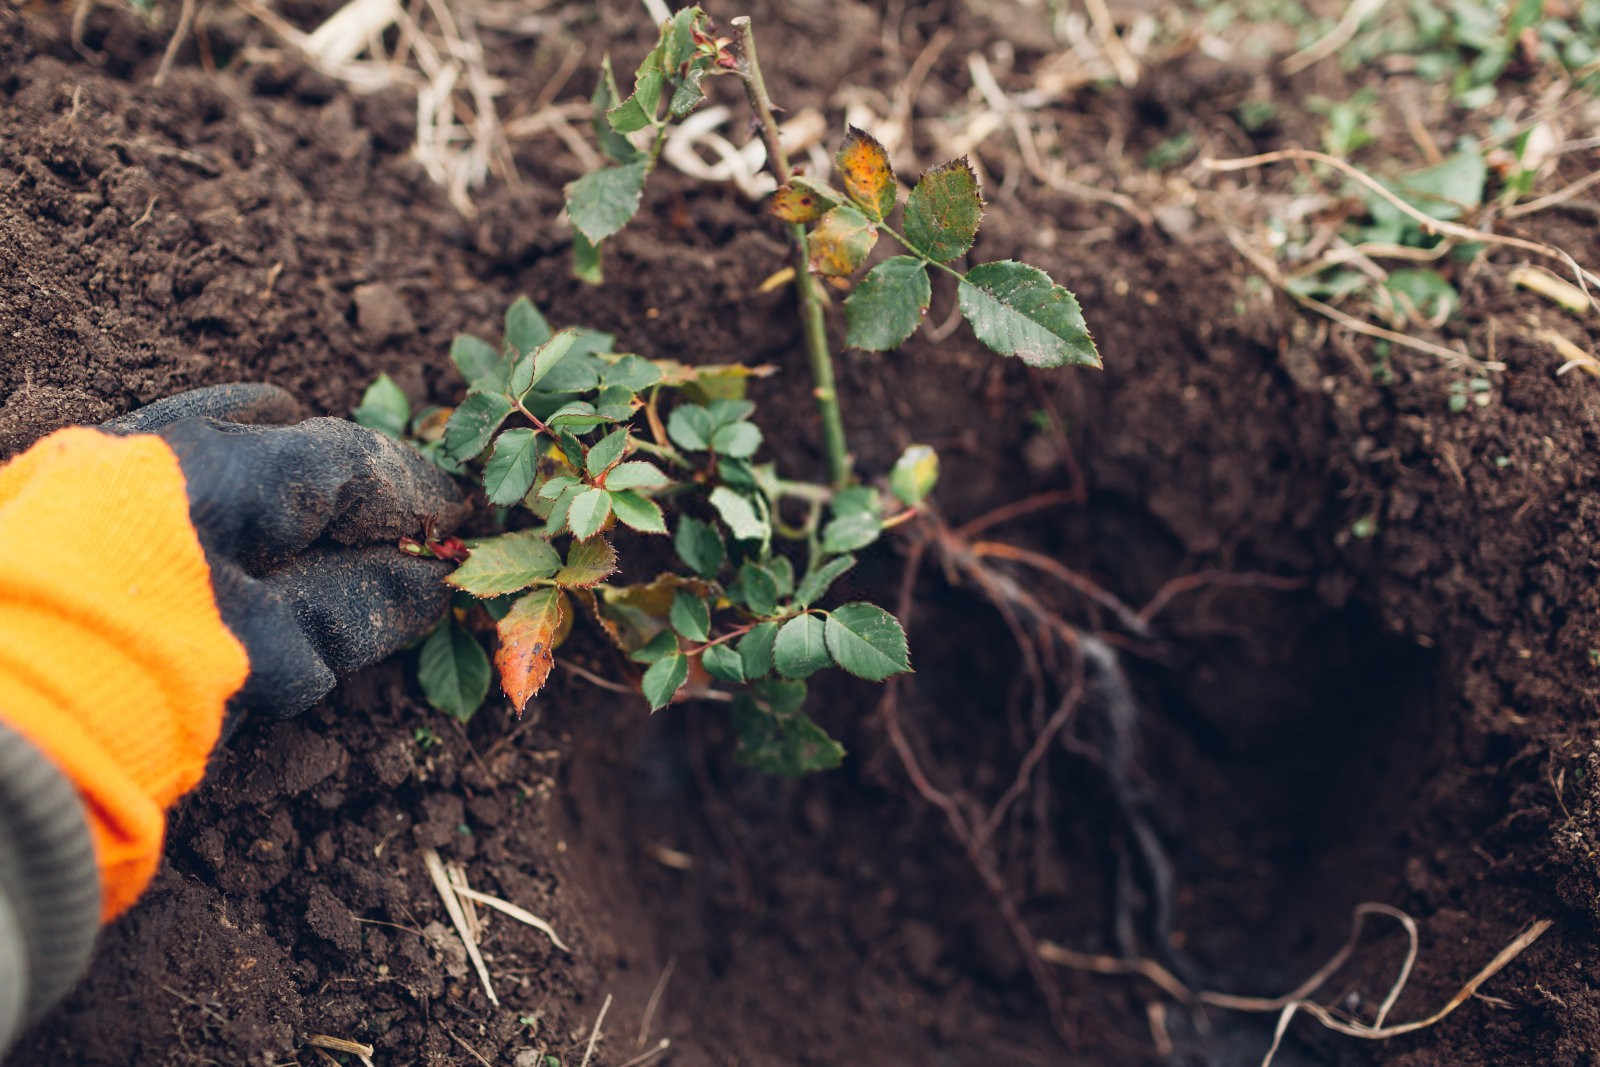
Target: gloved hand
[(161, 577)]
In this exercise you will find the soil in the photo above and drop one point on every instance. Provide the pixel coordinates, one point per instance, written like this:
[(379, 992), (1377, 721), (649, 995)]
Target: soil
[(1414, 723)]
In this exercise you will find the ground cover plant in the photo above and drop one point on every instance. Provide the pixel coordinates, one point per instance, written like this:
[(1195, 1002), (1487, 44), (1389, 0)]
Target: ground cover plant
[(611, 436)]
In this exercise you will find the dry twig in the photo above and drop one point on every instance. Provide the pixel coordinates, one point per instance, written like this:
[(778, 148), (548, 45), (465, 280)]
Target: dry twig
[(452, 906), (522, 915), (1428, 223), (594, 1035)]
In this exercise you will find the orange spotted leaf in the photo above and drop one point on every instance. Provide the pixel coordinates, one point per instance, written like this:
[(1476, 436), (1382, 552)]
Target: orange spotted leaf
[(841, 242), (529, 634), (868, 179), (803, 200)]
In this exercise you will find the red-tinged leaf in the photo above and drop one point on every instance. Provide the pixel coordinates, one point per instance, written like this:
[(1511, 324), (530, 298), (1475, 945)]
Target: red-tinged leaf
[(529, 634), (841, 242), (588, 563), (868, 179)]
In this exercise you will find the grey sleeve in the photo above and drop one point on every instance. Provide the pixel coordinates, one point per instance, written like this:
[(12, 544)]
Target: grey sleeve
[(49, 885)]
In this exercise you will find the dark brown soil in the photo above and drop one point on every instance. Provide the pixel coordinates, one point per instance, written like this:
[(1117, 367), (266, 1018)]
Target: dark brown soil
[(1415, 725)]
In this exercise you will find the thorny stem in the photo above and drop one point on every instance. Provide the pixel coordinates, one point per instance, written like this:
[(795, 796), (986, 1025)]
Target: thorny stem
[(811, 304)]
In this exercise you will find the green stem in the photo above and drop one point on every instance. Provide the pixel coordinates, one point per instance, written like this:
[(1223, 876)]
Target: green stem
[(671, 455), (811, 304), (909, 247), (805, 491)]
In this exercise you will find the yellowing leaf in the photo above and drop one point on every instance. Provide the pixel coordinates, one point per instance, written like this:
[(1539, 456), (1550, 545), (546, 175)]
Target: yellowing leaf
[(529, 634), (803, 200), (841, 242), (588, 563), (868, 180)]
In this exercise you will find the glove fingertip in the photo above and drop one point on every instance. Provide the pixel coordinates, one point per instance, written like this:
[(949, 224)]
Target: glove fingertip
[(249, 403)]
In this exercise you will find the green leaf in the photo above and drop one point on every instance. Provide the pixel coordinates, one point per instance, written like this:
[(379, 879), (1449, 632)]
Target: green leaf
[(700, 546), (739, 513), (690, 427), (561, 510), (508, 475), (479, 362), (616, 402), (1426, 290), (723, 663), (588, 563), (758, 588), (473, 424), (789, 744), (677, 44), (1018, 311), (739, 440), (690, 616), (867, 641), (630, 115), (606, 97), (663, 679), (816, 583), (868, 179), (531, 369), (571, 448), (755, 650), (601, 202), (639, 109), (1445, 190), (841, 242), (850, 531), (638, 512), (526, 328), (505, 564), (555, 485), (453, 671), (604, 453), (943, 211), (636, 474), (688, 94), (915, 474), (888, 305), (589, 511), (384, 408), (664, 643), (631, 373), (782, 572), (587, 265), (855, 498), (726, 411), (578, 416), (578, 373), (800, 649)]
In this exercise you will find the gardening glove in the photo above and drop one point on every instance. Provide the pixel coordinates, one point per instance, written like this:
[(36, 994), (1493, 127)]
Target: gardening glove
[(160, 577)]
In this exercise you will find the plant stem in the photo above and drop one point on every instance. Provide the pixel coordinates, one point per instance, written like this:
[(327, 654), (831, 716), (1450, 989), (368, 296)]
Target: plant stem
[(811, 305)]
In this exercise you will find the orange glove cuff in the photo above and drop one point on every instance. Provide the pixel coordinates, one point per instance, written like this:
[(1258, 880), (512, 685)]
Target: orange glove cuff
[(113, 657)]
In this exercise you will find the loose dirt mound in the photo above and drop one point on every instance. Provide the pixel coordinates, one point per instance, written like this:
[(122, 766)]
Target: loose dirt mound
[(1414, 724)]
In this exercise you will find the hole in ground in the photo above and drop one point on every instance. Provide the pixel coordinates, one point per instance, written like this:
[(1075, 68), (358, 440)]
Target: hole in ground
[(835, 919)]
